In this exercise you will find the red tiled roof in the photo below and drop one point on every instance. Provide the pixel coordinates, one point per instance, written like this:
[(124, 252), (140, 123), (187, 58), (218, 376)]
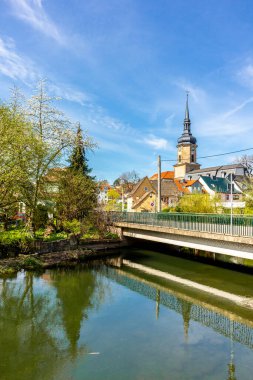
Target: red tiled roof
[(164, 175), (105, 185), (181, 186), (190, 182)]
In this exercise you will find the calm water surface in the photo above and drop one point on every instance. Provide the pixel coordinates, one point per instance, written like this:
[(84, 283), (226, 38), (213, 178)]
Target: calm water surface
[(110, 321)]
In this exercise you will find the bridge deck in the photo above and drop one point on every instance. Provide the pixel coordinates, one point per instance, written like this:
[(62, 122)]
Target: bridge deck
[(239, 225)]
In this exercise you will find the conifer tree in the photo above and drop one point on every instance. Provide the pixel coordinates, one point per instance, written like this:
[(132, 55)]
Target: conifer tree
[(78, 160)]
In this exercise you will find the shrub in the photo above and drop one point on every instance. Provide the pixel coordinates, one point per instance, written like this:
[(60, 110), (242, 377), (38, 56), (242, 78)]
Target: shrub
[(169, 209), (72, 226), (19, 239)]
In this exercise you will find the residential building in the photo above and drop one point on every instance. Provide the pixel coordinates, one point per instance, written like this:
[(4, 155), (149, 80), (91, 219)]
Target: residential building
[(221, 187), (103, 189), (144, 195)]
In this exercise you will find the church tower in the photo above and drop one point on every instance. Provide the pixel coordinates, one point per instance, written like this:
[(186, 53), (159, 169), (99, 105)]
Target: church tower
[(186, 149)]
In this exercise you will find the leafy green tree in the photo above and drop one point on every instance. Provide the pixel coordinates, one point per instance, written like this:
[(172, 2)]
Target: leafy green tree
[(247, 187), (113, 198), (77, 196), (18, 147), (55, 134), (78, 159), (34, 137), (197, 203)]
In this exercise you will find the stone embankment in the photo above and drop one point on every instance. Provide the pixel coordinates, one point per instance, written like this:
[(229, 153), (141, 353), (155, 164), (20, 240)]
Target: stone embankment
[(48, 256)]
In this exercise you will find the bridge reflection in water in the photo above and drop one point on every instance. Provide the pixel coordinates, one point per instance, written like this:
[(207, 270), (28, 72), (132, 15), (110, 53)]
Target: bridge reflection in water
[(190, 309), (230, 325)]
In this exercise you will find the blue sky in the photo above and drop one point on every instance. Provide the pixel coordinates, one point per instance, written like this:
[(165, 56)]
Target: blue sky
[(122, 68)]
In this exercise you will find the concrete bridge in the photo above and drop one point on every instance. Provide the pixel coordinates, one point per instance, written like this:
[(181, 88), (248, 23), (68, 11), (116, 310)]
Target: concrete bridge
[(214, 233)]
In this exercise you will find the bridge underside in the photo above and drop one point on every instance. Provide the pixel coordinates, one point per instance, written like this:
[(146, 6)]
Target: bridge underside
[(240, 247)]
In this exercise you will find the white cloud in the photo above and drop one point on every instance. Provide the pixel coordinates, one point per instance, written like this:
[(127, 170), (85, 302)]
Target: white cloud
[(68, 93), (236, 121), (33, 13), (157, 142), (14, 65), (20, 68), (219, 127), (245, 75), (237, 108)]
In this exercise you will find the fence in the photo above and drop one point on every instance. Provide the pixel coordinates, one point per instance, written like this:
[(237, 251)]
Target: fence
[(212, 223)]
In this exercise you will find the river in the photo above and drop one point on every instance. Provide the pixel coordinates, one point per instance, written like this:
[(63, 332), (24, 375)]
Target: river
[(142, 315)]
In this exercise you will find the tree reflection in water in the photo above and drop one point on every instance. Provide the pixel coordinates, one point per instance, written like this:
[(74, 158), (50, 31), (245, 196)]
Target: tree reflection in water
[(79, 291), (40, 321), (29, 348)]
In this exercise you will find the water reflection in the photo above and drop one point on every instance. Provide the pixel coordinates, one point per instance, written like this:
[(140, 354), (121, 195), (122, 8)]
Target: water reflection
[(74, 291), (29, 328), (48, 325), (40, 321), (190, 308), (237, 331)]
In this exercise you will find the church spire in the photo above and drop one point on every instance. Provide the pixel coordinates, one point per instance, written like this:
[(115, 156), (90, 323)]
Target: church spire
[(187, 136), (187, 121)]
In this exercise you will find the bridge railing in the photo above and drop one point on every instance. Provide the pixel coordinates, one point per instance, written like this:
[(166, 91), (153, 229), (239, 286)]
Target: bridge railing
[(212, 223)]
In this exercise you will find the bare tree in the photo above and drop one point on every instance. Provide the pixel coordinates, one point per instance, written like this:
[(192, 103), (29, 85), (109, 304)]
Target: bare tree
[(247, 162), (127, 180)]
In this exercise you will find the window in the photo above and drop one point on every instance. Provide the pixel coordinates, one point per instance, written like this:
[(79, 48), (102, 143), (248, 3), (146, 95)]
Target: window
[(236, 197), (179, 158), (227, 197), (192, 157), (229, 187), (145, 188)]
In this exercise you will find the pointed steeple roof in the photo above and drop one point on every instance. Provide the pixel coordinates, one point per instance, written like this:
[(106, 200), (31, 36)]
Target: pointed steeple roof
[(187, 135), (187, 117)]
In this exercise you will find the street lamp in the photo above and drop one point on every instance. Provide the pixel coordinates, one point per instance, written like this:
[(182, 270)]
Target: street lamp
[(231, 204), (159, 183)]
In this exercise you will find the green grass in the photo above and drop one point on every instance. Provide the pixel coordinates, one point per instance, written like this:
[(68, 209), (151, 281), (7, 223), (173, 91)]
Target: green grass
[(14, 236), (52, 237), (21, 237)]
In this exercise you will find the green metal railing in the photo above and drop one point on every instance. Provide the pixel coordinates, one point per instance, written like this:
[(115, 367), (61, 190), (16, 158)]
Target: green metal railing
[(212, 223)]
